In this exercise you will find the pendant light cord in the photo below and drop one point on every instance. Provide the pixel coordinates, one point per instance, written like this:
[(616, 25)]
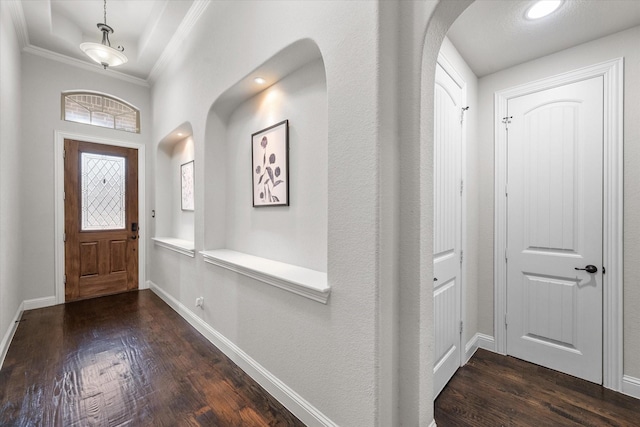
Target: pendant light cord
[(105, 12)]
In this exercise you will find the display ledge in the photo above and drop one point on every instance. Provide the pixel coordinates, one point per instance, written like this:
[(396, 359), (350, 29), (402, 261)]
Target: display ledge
[(184, 247), (302, 281)]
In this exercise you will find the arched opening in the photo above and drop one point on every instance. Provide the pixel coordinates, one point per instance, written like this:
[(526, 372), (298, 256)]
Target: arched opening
[(490, 73)]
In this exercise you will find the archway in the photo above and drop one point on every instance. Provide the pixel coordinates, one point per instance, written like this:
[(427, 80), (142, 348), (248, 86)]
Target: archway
[(581, 55)]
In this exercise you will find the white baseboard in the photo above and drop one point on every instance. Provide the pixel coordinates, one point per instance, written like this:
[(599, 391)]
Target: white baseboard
[(470, 349), (29, 304), (6, 340), (478, 341), (32, 304), (301, 408), (631, 386), (486, 342)]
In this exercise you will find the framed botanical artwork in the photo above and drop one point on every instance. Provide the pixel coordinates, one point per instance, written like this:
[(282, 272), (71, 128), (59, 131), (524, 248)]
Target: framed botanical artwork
[(270, 165), (186, 185)]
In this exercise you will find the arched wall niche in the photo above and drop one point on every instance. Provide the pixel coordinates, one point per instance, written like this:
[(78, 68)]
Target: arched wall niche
[(295, 90), (174, 226)]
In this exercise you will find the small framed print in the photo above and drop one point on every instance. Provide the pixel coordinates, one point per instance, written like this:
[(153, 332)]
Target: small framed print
[(270, 165), (186, 185)]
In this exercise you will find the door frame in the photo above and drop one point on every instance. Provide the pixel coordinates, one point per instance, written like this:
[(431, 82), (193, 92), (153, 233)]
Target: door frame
[(450, 69), (613, 174), (59, 137)]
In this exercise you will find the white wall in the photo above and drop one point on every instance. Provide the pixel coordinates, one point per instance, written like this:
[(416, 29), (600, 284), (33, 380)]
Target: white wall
[(326, 353), (43, 80), (623, 44), (470, 194), (11, 280)]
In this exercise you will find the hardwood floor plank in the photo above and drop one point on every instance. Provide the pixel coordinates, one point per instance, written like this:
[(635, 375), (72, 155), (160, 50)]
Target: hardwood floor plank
[(125, 359), (496, 390)]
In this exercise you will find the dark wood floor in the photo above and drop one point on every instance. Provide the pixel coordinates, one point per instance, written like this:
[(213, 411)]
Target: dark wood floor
[(129, 359), (125, 360), (495, 390)]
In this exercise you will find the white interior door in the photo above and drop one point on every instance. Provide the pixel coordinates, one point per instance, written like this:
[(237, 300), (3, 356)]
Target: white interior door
[(447, 223), (554, 203)]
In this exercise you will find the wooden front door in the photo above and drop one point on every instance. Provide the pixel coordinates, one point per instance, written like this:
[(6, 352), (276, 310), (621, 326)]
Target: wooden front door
[(101, 219)]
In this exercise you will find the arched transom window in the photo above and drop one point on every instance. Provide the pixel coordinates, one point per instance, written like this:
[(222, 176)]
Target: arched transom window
[(100, 110)]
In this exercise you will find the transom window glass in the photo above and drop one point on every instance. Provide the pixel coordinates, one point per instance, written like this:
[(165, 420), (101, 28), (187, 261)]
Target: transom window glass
[(103, 192), (100, 110)]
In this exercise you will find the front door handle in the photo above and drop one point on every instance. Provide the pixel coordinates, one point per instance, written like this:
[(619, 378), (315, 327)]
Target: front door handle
[(589, 269)]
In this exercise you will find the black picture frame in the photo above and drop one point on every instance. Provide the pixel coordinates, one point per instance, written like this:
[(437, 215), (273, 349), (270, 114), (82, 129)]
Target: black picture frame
[(270, 166)]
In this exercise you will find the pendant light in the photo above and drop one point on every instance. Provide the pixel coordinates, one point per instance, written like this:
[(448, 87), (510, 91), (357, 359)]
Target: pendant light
[(103, 53)]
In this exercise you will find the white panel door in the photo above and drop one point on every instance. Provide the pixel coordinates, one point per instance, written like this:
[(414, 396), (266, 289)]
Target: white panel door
[(446, 227), (554, 202)]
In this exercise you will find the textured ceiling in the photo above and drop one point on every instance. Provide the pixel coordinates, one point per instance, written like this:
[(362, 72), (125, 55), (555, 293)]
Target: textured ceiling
[(493, 35)]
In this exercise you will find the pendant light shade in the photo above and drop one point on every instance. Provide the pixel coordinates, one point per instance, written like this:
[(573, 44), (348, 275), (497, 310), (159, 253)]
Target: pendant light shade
[(103, 53)]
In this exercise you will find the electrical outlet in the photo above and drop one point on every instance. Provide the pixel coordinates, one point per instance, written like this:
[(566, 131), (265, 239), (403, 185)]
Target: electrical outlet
[(199, 301)]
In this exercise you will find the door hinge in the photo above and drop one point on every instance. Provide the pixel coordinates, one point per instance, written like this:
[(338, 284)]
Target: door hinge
[(506, 120), (604, 270), (64, 154), (65, 279), (461, 327), (506, 191), (461, 186), (462, 114), (461, 256), (64, 237), (506, 323), (506, 257), (64, 195)]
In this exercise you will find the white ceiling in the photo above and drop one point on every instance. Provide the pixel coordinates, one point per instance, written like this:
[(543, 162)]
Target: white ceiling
[(143, 27), (492, 35)]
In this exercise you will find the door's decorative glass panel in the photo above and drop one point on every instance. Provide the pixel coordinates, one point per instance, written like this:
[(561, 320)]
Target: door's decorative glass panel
[(103, 192)]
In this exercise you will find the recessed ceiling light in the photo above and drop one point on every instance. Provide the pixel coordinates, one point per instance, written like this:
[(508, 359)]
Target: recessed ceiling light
[(179, 133), (259, 80), (542, 8)]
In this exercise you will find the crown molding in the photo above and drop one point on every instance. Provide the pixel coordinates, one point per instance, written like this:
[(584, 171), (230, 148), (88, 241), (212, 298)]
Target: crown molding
[(19, 22), (195, 11), (38, 51)]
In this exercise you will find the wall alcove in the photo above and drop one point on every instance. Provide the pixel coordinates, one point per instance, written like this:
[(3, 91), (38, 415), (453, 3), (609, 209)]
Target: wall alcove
[(174, 222), (284, 246)]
